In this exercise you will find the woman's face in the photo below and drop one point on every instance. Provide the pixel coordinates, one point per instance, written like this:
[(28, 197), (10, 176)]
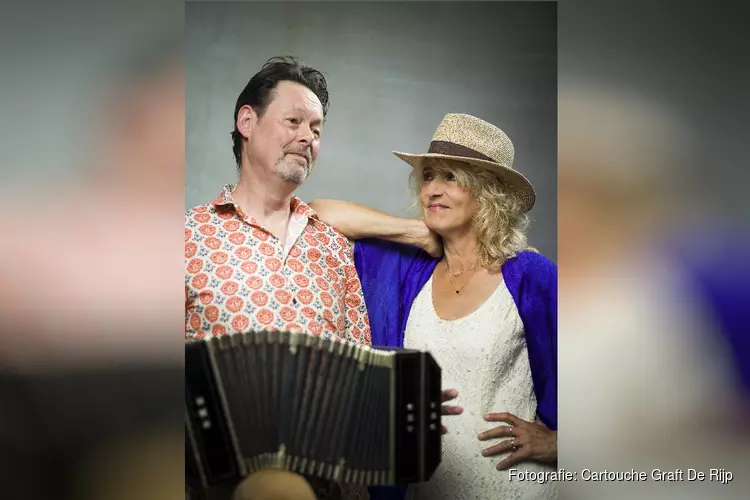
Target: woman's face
[(447, 207)]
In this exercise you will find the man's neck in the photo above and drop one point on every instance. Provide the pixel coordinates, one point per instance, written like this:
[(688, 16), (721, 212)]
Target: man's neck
[(266, 200)]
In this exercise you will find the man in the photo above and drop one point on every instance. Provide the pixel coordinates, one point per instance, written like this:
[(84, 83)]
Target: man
[(257, 257)]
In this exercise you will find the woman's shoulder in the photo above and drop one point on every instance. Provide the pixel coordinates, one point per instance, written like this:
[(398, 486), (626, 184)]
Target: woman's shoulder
[(379, 249), (530, 274), (532, 262)]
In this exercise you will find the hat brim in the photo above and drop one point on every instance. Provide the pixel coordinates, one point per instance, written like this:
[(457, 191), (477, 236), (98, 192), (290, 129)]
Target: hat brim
[(514, 181)]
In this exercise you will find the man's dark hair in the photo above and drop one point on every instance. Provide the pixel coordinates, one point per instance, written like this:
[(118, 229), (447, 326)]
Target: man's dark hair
[(258, 93)]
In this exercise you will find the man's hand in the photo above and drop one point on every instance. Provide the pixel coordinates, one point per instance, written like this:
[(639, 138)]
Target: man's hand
[(448, 395), (427, 239), (530, 441)]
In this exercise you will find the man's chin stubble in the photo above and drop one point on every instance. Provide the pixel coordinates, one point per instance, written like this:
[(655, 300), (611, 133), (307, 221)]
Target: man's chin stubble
[(296, 176)]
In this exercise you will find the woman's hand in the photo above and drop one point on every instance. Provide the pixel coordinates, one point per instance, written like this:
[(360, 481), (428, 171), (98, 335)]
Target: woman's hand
[(530, 441), (448, 395)]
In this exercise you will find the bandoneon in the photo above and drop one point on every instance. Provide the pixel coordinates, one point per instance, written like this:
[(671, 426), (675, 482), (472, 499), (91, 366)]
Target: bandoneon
[(319, 407)]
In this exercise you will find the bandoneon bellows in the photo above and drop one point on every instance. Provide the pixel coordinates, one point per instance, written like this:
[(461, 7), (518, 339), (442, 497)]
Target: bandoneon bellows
[(320, 407)]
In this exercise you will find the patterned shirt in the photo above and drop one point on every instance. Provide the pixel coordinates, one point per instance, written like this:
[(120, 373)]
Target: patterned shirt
[(239, 277)]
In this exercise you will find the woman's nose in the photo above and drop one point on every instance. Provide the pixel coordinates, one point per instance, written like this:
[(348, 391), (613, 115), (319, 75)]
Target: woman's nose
[(435, 188)]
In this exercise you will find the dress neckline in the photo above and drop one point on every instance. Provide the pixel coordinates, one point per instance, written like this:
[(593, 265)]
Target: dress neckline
[(428, 289)]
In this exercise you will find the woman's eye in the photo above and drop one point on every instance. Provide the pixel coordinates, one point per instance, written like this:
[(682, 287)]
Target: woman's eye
[(450, 177)]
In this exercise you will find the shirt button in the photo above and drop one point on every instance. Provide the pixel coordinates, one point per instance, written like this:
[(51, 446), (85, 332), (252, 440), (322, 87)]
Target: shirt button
[(294, 301)]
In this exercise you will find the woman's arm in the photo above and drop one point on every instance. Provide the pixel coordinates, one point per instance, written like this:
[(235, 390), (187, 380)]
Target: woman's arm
[(357, 221)]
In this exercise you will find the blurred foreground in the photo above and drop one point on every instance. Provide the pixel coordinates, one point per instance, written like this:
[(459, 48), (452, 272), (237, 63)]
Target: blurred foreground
[(91, 169), (654, 247), (653, 308)]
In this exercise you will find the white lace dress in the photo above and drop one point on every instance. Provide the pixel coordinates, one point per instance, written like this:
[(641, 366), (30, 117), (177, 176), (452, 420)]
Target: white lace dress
[(482, 355)]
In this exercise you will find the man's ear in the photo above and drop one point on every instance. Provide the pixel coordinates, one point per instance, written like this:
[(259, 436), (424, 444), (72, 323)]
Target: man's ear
[(246, 120)]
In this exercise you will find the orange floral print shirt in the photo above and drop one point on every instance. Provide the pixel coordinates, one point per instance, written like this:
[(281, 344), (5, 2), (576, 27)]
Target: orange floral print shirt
[(239, 278)]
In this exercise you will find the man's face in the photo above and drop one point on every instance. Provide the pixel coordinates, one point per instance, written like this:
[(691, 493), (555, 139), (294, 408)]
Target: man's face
[(285, 141)]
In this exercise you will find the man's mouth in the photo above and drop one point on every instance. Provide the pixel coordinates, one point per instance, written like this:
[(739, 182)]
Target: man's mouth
[(300, 156)]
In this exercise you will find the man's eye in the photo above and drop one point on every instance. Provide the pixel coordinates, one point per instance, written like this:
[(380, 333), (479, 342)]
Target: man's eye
[(294, 121)]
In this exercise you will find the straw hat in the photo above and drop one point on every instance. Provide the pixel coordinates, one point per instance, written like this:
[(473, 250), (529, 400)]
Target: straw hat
[(468, 139)]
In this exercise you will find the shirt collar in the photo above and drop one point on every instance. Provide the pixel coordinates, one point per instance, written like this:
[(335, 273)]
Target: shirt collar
[(225, 199)]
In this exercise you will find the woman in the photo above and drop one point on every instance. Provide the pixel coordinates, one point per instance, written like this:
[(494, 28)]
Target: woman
[(486, 310)]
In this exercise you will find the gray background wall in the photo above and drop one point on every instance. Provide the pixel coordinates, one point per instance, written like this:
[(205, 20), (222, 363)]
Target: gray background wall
[(394, 70)]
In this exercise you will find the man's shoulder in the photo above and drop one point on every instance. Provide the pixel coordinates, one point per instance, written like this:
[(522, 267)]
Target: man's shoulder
[(315, 222), (210, 206), (198, 212), (199, 209), (333, 233)]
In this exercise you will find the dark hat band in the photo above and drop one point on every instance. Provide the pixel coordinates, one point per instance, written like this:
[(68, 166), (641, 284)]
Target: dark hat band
[(453, 149)]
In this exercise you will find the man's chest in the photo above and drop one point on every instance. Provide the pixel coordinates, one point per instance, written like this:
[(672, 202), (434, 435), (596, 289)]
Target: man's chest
[(241, 277)]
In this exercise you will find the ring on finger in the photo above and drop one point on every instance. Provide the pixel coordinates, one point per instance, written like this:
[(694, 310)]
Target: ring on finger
[(510, 431)]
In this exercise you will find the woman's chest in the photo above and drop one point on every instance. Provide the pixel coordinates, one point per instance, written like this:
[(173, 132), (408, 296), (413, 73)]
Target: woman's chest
[(453, 299), (491, 332)]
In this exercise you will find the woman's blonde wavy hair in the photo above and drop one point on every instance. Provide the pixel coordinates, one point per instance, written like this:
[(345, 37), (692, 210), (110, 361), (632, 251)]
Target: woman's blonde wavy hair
[(499, 224)]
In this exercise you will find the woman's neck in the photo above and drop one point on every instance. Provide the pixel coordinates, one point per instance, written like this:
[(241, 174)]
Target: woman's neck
[(460, 253)]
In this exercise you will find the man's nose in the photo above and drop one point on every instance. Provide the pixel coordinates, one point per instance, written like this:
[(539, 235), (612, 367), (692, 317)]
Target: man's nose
[(305, 135)]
